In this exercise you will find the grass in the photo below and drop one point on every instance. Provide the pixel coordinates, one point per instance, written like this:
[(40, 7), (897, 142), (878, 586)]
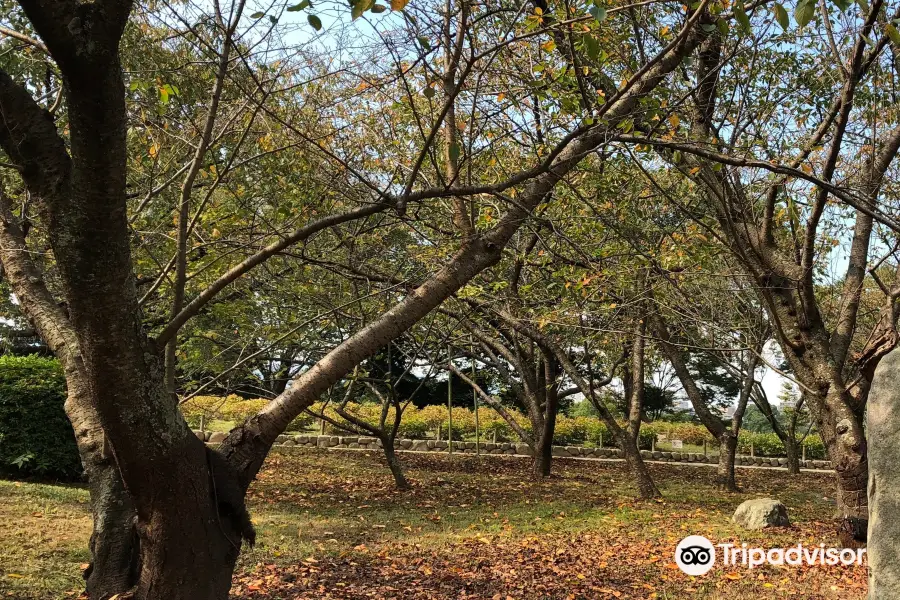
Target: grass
[(331, 525)]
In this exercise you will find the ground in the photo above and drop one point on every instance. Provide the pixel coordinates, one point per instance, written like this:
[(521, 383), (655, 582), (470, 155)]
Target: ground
[(332, 526)]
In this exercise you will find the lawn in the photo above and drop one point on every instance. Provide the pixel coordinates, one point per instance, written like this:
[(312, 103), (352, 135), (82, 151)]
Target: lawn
[(332, 526)]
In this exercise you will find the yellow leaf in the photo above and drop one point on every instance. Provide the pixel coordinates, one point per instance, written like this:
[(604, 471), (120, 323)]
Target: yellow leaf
[(398, 4), (500, 97), (674, 121), (549, 45), (153, 150)]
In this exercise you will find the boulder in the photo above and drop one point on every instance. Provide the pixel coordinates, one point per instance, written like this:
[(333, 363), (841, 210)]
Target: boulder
[(761, 513), (419, 446), (217, 437), (883, 425)]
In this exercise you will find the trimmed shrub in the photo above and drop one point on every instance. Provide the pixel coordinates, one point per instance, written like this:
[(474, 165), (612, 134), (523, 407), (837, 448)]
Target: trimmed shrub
[(36, 437), (207, 408), (239, 410)]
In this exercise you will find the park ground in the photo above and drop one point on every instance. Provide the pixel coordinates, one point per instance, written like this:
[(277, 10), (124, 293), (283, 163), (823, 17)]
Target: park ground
[(331, 525)]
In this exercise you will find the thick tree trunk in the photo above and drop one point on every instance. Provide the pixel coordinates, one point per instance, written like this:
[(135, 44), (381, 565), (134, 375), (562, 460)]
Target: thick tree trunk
[(191, 534), (725, 479), (387, 444), (853, 502), (114, 542), (646, 487)]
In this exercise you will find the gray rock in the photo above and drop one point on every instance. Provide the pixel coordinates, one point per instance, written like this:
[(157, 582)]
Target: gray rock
[(289, 443), (406, 444), (419, 446), (883, 429), (201, 435), (217, 437), (559, 451), (761, 513), (523, 449)]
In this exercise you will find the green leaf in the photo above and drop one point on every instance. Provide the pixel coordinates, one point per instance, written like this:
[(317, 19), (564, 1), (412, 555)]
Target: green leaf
[(378, 8), (360, 7), (741, 16), (428, 92), (454, 153), (843, 5), (257, 15), (273, 20), (723, 26), (598, 12), (315, 21), (863, 5), (423, 41), (804, 12), (591, 46), (300, 6), (781, 16), (893, 33)]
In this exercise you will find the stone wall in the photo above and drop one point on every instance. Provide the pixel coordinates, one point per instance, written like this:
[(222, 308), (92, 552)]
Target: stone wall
[(370, 443)]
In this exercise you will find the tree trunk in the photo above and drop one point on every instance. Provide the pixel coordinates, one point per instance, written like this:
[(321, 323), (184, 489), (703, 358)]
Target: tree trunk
[(646, 487), (114, 544), (792, 450), (853, 502), (543, 457), (725, 479), (393, 462)]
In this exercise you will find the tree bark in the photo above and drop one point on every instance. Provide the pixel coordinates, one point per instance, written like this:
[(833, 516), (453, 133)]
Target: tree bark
[(543, 459), (725, 478), (792, 450), (646, 486), (390, 454)]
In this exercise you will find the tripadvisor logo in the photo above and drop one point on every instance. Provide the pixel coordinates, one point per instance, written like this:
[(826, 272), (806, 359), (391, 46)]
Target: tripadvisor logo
[(695, 555)]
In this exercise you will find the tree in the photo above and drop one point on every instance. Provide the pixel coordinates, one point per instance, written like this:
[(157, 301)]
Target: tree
[(120, 389), (781, 227)]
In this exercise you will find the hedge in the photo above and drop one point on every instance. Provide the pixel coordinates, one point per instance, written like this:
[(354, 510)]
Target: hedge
[(36, 437), (418, 423)]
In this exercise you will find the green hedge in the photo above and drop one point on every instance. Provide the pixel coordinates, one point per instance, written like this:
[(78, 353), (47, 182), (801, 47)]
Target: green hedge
[(570, 431), (36, 437)]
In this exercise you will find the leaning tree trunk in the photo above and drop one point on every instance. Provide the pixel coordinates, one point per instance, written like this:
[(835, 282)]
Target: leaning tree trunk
[(725, 478), (390, 454)]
